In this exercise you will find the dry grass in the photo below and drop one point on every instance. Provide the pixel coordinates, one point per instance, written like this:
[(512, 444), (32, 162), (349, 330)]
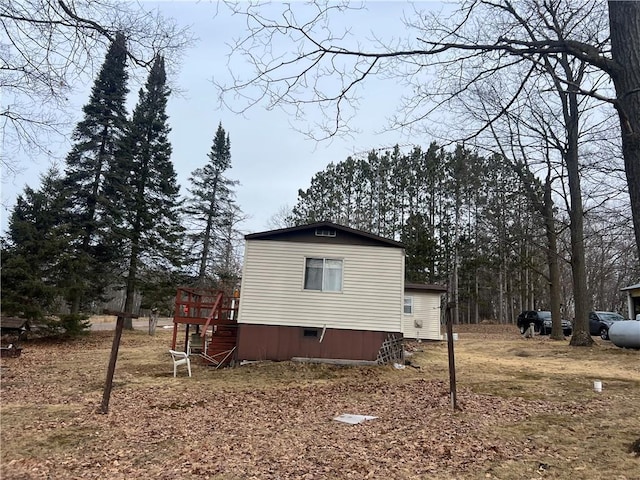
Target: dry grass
[(528, 411)]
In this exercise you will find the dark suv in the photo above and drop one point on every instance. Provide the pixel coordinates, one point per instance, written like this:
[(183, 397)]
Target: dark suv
[(599, 323), (541, 322)]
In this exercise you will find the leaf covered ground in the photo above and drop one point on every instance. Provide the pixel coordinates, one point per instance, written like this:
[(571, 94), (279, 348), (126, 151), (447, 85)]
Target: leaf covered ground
[(527, 410)]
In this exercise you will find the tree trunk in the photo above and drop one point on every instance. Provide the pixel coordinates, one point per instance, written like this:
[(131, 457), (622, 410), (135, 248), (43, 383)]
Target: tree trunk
[(581, 335), (456, 284), (75, 303), (133, 270), (206, 244), (624, 22), (500, 295), (131, 283), (476, 293), (552, 262)]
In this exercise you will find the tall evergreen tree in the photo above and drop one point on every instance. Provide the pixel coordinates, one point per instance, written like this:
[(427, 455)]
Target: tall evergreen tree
[(88, 163), (420, 250), (33, 252), (454, 205), (211, 208), (144, 185)]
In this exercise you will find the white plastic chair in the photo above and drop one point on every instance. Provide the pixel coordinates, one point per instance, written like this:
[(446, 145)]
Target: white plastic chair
[(180, 358)]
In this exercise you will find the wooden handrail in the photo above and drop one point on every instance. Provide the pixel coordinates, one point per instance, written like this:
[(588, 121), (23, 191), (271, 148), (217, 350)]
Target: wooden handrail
[(214, 311)]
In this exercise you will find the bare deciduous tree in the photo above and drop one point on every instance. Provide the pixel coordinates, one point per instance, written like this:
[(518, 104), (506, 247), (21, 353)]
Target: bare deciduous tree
[(496, 34), (49, 47), (282, 218)]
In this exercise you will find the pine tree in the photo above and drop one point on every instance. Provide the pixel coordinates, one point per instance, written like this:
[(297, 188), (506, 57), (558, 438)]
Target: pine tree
[(33, 254), (89, 162), (211, 210), (420, 250), (145, 185)]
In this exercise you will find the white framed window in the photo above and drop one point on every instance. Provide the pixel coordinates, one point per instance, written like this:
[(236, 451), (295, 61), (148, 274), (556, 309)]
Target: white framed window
[(324, 274), (408, 305)]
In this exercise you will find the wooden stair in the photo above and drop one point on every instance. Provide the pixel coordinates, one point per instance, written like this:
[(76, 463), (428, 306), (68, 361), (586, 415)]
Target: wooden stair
[(222, 344), (216, 315)]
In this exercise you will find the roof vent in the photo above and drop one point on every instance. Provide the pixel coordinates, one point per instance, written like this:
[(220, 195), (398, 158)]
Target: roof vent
[(325, 232)]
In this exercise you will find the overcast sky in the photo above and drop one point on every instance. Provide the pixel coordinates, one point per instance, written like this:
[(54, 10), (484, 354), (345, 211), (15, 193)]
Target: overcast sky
[(270, 159)]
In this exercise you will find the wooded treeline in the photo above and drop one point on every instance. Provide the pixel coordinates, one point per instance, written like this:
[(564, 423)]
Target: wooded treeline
[(527, 80), (492, 226), (113, 219), (470, 220)]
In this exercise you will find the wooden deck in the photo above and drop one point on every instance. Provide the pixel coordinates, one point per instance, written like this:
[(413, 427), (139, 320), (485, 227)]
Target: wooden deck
[(214, 315)]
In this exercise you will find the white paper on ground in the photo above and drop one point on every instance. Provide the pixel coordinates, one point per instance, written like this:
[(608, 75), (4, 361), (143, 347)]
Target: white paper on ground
[(353, 419)]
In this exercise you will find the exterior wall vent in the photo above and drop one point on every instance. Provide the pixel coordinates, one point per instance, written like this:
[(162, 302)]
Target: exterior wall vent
[(310, 332), (325, 232)]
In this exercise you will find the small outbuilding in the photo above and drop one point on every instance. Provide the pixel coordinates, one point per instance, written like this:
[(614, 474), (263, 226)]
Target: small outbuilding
[(319, 291), (633, 300), (422, 311)]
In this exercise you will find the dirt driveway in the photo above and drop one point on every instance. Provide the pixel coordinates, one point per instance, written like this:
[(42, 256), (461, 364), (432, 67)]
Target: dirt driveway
[(108, 322)]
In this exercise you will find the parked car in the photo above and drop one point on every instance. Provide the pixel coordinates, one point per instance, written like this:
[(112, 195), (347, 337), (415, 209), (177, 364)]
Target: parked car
[(541, 322), (599, 323)]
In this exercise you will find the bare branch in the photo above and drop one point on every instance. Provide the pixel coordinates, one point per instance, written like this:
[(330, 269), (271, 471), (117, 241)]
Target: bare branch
[(301, 77), (50, 46)]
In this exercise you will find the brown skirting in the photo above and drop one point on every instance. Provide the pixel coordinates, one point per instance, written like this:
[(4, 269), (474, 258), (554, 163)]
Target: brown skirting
[(272, 342)]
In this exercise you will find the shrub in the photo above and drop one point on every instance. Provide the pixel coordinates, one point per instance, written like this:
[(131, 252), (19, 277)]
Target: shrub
[(66, 325)]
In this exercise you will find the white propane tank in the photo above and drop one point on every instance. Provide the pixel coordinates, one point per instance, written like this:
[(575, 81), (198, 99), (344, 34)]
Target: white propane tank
[(625, 334)]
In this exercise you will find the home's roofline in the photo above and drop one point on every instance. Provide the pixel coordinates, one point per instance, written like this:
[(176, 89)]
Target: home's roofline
[(425, 287), (299, 228), (630, 287)]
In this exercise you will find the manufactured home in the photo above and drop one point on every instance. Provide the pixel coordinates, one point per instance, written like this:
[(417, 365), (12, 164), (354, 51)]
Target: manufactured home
[(319, 291)]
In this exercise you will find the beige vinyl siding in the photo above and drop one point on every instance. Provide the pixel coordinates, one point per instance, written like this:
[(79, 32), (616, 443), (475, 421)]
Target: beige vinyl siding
[(273, 292), (426, 307)]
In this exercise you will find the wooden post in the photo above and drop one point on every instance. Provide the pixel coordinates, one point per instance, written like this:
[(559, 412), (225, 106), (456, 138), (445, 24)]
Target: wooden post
[(106, 395), (153, 321), (452, 361), (175, 335)]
